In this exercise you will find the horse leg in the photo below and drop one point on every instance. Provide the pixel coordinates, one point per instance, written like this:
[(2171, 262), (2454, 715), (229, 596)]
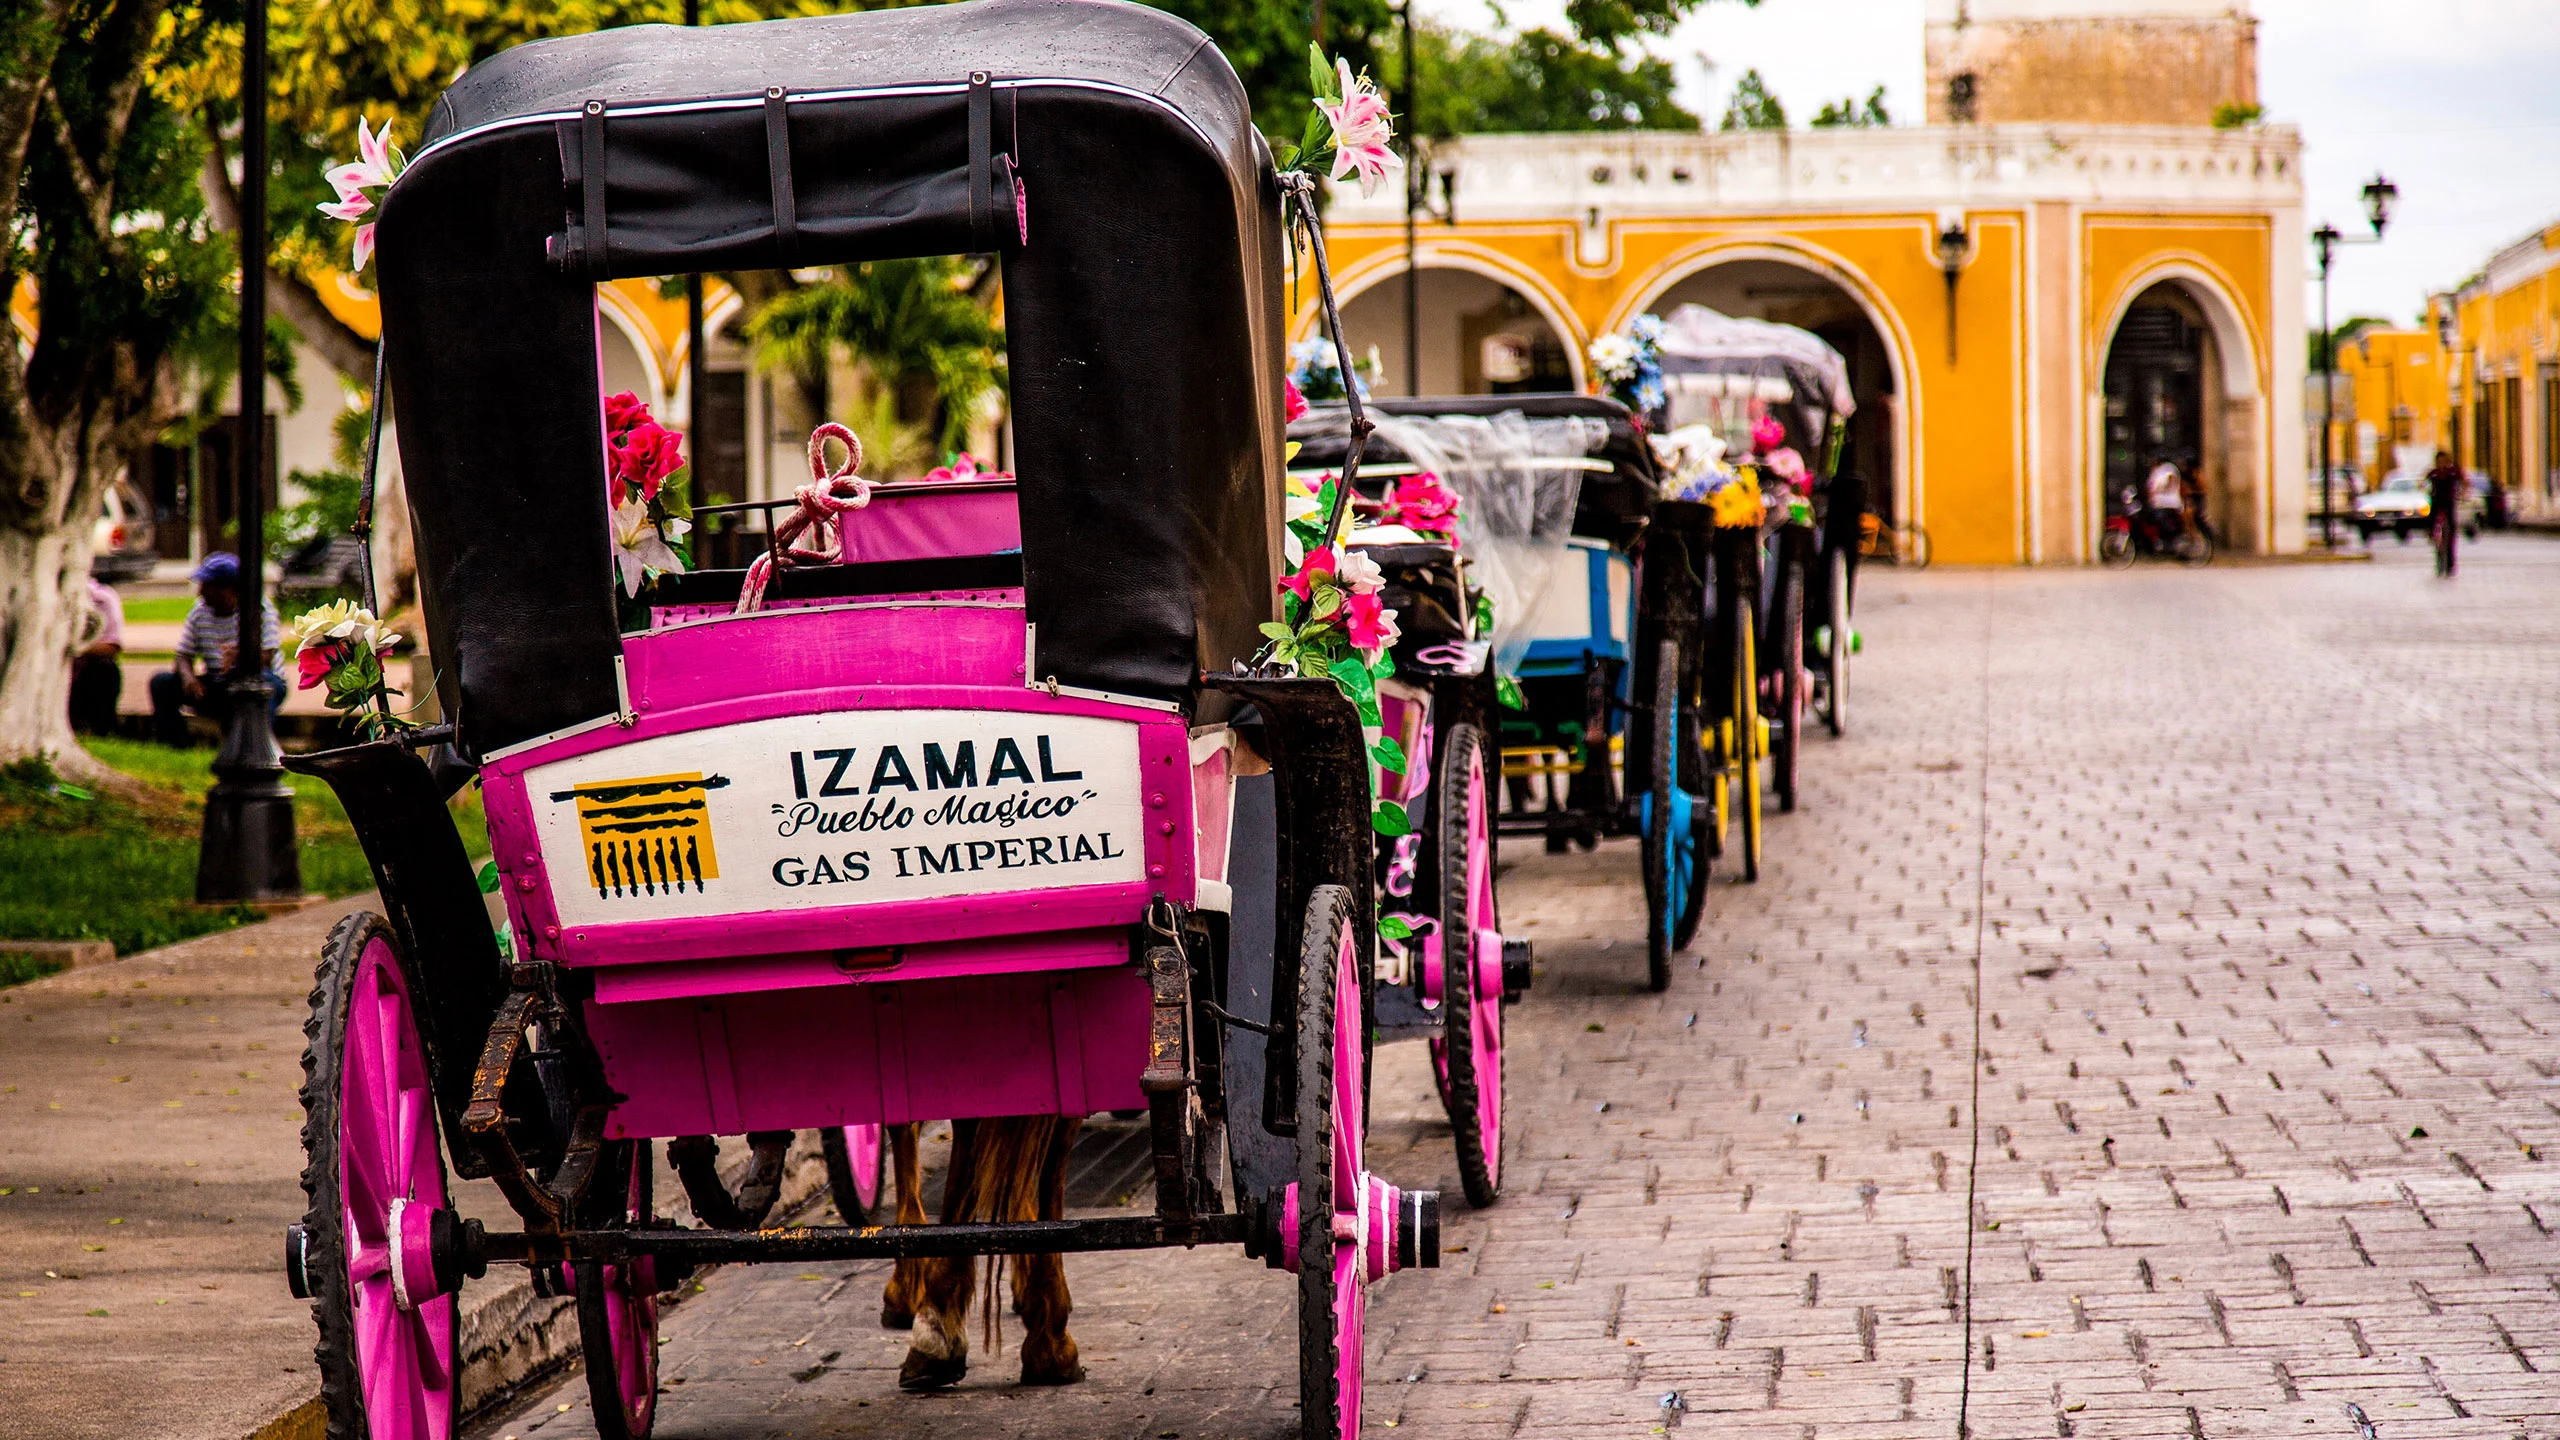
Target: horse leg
[(938, 1344), (1040, 1281), (906, 1283)]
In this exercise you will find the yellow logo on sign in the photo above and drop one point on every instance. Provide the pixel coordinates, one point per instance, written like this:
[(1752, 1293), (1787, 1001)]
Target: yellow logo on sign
[(647, 836)]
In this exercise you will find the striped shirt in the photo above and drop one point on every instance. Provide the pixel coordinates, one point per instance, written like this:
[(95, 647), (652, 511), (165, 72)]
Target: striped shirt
[(207, 635)]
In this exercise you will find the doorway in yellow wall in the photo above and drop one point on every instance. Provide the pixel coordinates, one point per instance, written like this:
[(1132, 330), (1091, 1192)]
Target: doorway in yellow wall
[(1474, 335), (2163, 403), (1758, 289)]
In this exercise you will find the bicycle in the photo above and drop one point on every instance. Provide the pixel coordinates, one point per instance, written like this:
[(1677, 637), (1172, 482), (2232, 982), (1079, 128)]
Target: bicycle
[(1893, 544)]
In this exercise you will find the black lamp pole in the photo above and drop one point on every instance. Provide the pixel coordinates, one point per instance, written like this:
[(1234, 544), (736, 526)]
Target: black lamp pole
[(2379, 193), (248, 851), (1412, 203), (696, 365)]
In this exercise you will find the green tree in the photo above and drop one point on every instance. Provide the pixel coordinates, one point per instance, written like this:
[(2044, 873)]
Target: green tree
[(1612, 22), (1847, 112), (2342, 336), (917, 324), (1475, 83), (336, 62), (1753, 107), (98, 201)]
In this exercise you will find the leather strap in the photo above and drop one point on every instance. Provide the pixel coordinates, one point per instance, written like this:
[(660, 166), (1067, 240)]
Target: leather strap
[(982, 227), (591, 180), (777, 160)]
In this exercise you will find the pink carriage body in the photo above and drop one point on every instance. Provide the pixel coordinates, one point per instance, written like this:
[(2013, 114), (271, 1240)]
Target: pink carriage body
[(877, 877)]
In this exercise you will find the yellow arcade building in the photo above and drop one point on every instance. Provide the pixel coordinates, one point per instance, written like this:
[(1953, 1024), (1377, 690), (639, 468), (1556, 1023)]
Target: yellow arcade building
[(2036, 305)]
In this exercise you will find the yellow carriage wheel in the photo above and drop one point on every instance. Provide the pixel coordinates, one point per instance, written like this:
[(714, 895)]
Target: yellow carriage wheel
[(1747, 727)]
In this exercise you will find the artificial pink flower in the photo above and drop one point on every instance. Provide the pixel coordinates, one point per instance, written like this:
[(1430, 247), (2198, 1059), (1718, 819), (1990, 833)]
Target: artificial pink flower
[(1767, 434), (620, 410), (1362, 132), (373, 151), (644, 455), (1370, 625), (1786, 463), (316, 661), (964, 466), (1321, 563), (375, 165), (1422, 502), (1293, 404)]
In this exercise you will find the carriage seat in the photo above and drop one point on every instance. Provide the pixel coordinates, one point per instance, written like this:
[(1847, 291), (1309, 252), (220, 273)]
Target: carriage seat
[(923, 540)]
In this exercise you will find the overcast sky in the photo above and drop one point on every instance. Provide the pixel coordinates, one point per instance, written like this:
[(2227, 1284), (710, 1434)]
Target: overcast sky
[(2451, 98)]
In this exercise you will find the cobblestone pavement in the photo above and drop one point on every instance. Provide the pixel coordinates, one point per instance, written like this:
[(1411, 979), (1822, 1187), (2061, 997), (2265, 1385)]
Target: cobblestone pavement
[(2266, 1098)]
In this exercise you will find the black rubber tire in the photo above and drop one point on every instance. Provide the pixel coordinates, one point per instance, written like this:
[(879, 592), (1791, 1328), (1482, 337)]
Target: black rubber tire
[(840, 1180), (324, 1256), (1835, 713), (2115, 549), (2195, 549), (1329, 912), (1482, 1182), (1663, 734), (1788, 743), (608, 1204)]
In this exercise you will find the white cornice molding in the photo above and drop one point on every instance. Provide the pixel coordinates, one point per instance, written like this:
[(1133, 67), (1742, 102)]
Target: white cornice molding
[(1632, 174)]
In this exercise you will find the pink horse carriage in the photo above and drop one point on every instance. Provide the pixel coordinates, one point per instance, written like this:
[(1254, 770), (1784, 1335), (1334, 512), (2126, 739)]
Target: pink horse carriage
[(984, 815)]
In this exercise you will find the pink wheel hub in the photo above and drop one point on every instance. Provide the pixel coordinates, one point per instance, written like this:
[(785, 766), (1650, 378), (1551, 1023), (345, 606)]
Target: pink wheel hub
[(391, 1183)]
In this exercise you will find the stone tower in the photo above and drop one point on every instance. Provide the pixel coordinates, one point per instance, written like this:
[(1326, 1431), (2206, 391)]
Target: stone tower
[(2109, 62)]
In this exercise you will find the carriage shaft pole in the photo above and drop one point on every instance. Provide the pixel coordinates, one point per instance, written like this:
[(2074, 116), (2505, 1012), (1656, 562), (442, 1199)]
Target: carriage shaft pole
[(873, 1242)]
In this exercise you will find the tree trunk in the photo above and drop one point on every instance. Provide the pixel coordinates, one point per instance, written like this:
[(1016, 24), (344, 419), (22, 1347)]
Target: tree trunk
[(44, 585)]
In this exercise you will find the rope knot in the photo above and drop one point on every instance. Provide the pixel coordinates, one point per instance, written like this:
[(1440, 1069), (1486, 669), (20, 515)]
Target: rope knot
[(818, 510)]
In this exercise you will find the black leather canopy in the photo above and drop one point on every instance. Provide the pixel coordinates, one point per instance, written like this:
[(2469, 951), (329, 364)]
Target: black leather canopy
[(1143, 314), (1611, 507)]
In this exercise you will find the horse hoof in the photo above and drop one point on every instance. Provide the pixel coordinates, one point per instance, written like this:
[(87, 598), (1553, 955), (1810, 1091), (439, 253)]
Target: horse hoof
[(893, 1318), (1073, 1373), (927, 1372)]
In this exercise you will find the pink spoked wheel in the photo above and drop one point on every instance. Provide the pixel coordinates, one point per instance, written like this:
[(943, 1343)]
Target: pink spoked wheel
[(1332, 1065), (1467, 1055), (855, 1165), (365, 1253), (618, 1300)]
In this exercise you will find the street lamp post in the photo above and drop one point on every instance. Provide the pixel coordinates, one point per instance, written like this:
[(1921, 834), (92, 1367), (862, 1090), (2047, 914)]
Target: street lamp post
[(2379, 193), (697, 365), (1412, 203), (248, 852)]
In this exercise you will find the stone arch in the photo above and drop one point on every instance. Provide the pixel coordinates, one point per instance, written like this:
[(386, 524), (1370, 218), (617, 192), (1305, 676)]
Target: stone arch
[(2237, 420), (1388, 264), (637, 360), (1907, 490)]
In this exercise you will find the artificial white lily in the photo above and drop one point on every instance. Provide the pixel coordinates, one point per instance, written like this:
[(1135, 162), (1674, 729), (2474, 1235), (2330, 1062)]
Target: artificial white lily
[(639, 545)]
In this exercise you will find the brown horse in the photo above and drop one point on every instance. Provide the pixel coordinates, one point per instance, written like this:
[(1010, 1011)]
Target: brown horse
[(1009, 1169)]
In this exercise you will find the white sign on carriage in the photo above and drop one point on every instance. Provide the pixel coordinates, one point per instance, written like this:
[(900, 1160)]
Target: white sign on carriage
[(850, 808)]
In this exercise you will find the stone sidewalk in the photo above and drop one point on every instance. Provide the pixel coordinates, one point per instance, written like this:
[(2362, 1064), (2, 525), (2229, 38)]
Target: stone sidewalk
[(2259, 867), (150, 1144), (150, 1159)]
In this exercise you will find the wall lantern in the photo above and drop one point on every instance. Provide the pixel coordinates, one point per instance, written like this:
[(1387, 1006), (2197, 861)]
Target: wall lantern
[(1954, 248)]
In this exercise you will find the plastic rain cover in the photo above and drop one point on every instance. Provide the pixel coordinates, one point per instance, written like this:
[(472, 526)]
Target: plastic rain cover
[(1517, 481), (1723, 371)]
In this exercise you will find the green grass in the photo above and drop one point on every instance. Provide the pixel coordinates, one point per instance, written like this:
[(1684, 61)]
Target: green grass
[(156, 608), (18, 968), (102, 867)]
